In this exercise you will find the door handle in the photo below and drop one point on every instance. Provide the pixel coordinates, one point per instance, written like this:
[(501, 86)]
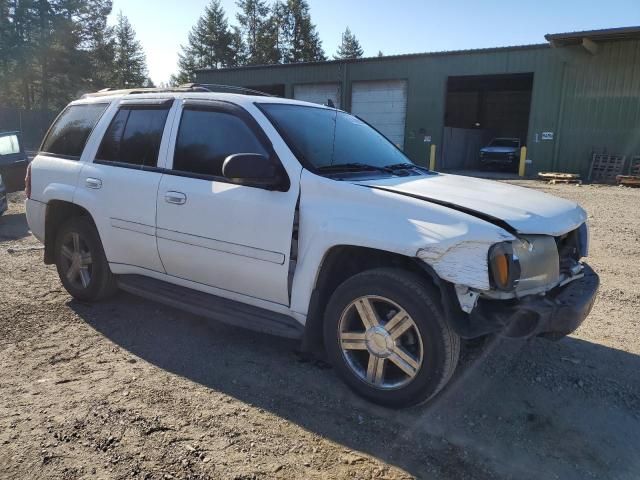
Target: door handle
[(95, 183), (177, 198)]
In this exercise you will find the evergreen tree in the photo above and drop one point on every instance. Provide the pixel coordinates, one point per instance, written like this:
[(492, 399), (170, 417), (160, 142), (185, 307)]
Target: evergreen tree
[(350, 46), (380, 54), (301, 40), (99, 42), (237, 48), (210, 45), (130, 65), (257, 31)]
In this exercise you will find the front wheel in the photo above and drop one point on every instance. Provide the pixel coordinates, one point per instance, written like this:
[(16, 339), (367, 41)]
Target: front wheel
[(387, 337)]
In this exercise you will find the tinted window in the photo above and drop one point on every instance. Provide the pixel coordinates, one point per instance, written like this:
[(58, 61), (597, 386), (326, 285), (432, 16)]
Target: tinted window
[(322, 137), (69, 133), (206, 138), (9, 145), (134, 136)]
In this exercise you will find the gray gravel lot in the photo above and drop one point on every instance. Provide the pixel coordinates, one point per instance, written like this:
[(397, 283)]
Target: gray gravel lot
[(131, 389)]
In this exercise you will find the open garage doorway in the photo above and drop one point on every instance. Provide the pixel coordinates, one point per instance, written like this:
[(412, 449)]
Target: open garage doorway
[(480, 109)]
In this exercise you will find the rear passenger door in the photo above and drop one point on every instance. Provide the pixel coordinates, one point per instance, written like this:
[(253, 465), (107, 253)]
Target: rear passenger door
[(214, 232), (121, 183)]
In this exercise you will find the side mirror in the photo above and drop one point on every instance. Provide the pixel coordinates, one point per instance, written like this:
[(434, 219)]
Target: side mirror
[(252, 170)]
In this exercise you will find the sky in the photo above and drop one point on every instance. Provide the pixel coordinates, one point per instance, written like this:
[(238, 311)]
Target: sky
[(390, 26)]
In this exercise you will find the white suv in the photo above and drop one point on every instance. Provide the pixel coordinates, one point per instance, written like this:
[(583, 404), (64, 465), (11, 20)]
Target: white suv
[(302, 221)]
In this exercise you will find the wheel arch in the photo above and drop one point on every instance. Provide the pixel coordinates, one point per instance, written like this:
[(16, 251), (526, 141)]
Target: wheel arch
[(341, 262), (58, 212)]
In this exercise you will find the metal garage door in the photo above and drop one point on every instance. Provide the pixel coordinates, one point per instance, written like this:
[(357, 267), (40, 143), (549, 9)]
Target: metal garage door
[(383, 105), (318, 93)]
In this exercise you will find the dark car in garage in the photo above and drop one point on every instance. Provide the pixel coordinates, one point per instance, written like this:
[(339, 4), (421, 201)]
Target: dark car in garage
[(500, 152), (13, 161)]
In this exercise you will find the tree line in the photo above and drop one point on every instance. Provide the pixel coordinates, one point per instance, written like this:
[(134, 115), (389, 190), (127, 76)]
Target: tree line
[(51, 51), (265, 34)]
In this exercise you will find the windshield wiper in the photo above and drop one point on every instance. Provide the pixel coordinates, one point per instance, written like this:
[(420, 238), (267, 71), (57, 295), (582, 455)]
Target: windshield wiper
[(400, 166), (352, 167)]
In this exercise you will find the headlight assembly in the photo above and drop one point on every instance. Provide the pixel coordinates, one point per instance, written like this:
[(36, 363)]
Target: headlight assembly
[(504, 266), (527, 265)]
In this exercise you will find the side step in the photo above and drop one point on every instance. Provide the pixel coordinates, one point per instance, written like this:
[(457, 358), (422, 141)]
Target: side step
[(210, 306)]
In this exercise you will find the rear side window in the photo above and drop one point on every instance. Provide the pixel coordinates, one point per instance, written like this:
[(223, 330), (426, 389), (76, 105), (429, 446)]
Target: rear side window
[(69, 133), (206, 138), (134, 136), (9, 145)]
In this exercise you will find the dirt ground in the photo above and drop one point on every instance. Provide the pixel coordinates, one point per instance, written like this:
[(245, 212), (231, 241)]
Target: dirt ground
[(131, 389)]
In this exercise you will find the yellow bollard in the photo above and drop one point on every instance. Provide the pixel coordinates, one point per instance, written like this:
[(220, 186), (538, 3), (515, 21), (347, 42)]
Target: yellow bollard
[(432, 158), (523, 159)]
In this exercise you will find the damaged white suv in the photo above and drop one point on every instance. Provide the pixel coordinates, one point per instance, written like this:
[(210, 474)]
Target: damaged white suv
[(302, 221)]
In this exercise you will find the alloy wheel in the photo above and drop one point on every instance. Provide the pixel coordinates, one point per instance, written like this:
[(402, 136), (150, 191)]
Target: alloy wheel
[(76, 260), (380, 342)]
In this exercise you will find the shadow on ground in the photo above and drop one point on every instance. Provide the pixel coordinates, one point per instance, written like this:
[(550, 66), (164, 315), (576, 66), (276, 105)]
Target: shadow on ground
[(523, 410)]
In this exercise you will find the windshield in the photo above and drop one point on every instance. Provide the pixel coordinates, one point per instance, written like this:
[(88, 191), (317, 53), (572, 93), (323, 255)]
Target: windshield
[(321, 137), (504, 142)]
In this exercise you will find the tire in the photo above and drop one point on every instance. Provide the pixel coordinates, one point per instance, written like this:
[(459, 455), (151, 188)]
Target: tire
[(411, 326), (93, 280)]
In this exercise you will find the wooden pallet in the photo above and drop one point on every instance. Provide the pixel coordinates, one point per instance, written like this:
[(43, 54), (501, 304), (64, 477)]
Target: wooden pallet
[(557, 177), (605, 168), (628, 180), (574, 181)]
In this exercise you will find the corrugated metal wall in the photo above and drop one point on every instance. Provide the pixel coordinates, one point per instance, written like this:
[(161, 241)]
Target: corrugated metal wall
[(587, 101), (601, 108)]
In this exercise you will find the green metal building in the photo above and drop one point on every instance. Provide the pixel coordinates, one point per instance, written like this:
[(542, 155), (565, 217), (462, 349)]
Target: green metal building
[(575, 95)]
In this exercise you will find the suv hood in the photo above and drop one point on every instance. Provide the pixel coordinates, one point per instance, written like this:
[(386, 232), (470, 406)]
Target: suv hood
[(523, 209)]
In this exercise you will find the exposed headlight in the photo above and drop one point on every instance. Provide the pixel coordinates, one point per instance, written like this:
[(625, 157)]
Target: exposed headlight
[(525, 265)]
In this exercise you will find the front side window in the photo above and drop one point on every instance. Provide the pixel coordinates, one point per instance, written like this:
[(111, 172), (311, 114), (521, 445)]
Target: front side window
[(134, 136), (207, 137), (9, 145), (323, 138), (69, 133)]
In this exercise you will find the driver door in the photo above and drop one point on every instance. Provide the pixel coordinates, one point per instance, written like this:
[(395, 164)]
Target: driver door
[(213, 232)]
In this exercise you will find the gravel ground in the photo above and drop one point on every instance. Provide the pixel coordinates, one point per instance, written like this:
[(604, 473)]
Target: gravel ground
[(131, 389)]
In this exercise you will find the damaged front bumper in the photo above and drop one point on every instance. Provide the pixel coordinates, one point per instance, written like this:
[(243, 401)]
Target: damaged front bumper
[(554, 315)]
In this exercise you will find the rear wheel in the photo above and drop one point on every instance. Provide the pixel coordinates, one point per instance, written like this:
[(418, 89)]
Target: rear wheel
[(388, 339), (81, 263)]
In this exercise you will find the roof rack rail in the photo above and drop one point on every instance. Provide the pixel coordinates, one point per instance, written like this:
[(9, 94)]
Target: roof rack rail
[(134, 91), (187, 87), (215, 87)]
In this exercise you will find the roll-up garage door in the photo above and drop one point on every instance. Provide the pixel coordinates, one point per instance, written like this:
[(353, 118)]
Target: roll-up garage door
[(318, 93), (382, 104)]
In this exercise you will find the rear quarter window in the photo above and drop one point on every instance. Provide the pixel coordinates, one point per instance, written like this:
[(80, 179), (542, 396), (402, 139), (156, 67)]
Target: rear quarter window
[(69, 133)]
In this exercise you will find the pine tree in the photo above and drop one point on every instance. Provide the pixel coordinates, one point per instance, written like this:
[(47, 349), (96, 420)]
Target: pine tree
[(237, 48), (380, 54), (210, 45), (52, 50), (130, 65), (257, 31), (99, 42), (350, 46), (301, 40)]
